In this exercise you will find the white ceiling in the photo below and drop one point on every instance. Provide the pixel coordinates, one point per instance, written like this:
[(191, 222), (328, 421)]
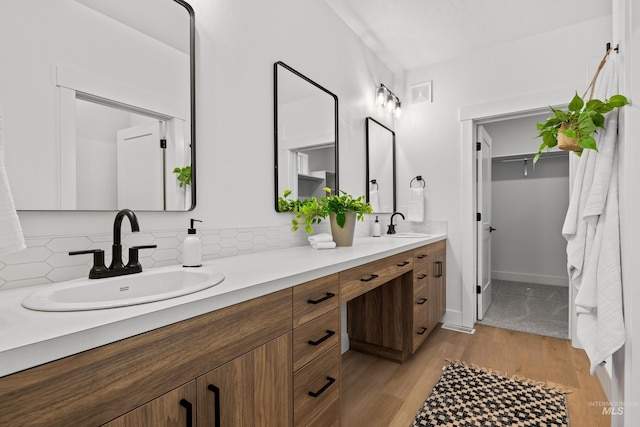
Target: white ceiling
[(411, 34)]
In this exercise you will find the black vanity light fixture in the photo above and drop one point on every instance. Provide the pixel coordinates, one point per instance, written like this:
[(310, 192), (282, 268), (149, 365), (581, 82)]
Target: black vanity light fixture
[(389, 100)]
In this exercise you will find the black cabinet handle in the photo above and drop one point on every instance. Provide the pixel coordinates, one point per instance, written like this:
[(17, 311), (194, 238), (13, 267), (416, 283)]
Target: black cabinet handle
[(324, 298), (422, 331), (422, 301), (439, 264), (373, 276), (324, 387), (422, 276), (402, 264), (330, 333), (216, 405), (421, 256), (189, 407)]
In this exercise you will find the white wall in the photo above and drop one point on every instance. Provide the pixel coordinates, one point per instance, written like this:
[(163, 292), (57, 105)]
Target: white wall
[(237, 43), (515, 136), (429, 135)]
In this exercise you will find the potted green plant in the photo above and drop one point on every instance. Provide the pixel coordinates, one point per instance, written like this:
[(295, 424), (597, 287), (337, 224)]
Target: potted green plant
[(573, 129), (343, 211)]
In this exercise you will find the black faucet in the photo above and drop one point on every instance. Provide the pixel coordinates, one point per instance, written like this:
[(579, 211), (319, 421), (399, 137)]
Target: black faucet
[(392, 227), (117, 268)]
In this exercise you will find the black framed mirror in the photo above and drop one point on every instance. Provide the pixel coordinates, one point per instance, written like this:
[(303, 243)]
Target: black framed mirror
[(305, 130), (381, 166), (98, 105)]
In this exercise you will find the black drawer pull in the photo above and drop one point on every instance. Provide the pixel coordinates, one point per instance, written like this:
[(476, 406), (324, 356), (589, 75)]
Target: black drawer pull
[(422, 331), (216, 407), (373, 276), (330, 333), (439, 264), (324, 298), (402, 264), (189, 407), (422, 276), (421, 256), (422, 301), (324, 387)]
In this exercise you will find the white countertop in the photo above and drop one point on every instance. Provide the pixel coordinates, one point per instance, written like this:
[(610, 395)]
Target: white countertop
[(30, 338)]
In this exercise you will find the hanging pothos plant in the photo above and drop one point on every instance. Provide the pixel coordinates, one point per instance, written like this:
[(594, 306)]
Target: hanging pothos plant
[(183, 175)]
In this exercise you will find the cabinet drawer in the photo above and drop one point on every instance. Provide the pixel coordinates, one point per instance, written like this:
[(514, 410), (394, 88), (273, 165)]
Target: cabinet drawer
[(420, 276), (421, 256), (315, 337), (315, 298), (329, 417), (316, 386), (359, 280), (421, 321)]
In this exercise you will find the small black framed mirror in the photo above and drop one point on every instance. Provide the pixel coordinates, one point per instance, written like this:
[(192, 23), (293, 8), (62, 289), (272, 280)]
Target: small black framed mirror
[(305, 129), (381, 166)]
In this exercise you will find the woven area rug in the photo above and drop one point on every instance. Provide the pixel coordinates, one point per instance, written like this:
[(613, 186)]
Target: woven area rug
[(467, 395)]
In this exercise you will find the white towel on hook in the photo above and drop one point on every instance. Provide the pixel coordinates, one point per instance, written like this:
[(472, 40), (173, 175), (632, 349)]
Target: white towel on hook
[(374, 200), (416, 205), (11, 237)]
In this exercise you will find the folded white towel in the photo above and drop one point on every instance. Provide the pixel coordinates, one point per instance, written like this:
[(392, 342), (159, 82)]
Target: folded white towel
[(11, 238), (323, 245), (374, 200), (322, 237), (416, 205)]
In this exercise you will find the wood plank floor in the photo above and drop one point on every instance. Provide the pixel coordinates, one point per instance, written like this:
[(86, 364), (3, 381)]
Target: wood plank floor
[(377, 392)]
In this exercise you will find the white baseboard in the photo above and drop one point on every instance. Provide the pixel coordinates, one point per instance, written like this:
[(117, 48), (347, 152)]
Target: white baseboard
[(540, 279)]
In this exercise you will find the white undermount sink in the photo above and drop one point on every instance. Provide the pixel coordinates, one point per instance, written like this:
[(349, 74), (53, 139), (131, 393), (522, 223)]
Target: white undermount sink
[(149, 286), (408, 235)]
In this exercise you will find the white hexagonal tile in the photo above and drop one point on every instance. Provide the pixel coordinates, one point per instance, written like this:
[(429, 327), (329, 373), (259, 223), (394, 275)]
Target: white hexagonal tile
[(209, 239), (245, 236), (163, 234), (258, 240), (101, 238), (243, 246), (147, 262), (19, 284), (138, 239), (63, 259), (227, 252), (209, 231), (1, 265), (2, 282), (260, 247), (165, 254), (259, 231), (167, 243), (229, 232), (62, 274), (212, 249), (27, 255), (65, 244), (25, 271), (228, 243), (272, 243)]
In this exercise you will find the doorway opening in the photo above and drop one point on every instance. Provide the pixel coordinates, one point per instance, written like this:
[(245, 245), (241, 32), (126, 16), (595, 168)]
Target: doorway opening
[(522, 281)]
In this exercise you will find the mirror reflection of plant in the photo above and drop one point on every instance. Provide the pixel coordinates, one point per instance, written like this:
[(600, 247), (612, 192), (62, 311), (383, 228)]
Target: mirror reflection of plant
[(580, 121), (313, 211), (183, 175)]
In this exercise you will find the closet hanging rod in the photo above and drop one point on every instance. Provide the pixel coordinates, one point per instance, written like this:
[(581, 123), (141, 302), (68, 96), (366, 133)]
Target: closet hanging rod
[(522, 157)]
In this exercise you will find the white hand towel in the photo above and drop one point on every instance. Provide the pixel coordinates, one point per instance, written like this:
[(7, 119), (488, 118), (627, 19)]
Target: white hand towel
[(323, 245), (416, 205), (322, 237), (11, 238), (374, 200)]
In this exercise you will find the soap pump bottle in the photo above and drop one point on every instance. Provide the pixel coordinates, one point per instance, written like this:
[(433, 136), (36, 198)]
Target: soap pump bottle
[(376, 228), (192, 248)]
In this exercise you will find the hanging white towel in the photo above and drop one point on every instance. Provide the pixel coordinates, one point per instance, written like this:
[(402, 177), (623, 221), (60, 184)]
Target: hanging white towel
[(11, 238), (592, 231), (374, 200), (416, 205)]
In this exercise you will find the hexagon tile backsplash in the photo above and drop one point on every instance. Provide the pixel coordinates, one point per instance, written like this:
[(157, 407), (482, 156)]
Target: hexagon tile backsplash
[(47, 260)]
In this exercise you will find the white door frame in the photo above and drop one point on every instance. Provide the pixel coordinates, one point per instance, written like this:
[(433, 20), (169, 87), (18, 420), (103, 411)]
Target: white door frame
[(470, 117)]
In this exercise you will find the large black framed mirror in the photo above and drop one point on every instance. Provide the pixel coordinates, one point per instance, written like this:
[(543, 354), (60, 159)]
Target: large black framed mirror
[(98, 104), (381, 166), (305, 135)]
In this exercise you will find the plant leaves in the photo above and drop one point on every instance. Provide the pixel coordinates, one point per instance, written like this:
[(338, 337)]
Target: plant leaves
[(576, 104), (588, 142), (598, 120), (618, 101), (341, 218)]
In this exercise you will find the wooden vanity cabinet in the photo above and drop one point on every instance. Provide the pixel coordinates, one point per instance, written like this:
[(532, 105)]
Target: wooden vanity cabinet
[(316, 353)]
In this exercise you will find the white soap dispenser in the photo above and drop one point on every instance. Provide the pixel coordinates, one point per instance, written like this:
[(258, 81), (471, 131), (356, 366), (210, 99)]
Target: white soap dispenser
[(192, 248), (376, 228)]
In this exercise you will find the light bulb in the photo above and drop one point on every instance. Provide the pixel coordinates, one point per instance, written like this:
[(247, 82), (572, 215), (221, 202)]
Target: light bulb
[(380, 96), (391, 103), (398, 110)]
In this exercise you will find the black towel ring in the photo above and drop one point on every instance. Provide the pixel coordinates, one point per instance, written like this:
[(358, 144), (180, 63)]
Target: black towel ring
[(418, 178), (374, 182)]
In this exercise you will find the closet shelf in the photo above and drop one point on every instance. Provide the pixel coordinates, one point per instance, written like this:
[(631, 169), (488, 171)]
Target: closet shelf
[(528, 156)]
